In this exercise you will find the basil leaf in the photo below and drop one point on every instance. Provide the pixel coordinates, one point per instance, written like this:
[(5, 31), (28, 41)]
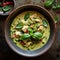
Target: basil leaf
[(26, 16), (48, 3), (25, 36), (45, 23), (37, 35), (30, 30), (6, 8), (19, 25)]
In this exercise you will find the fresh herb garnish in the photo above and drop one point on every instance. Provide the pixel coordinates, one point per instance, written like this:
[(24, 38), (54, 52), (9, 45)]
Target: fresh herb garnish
[(25, 36), (45, 23), (19, 25), (56, 7), (30, 31), (37, 35), (48, 3), (53, 4), (26, 16), (6, 8)]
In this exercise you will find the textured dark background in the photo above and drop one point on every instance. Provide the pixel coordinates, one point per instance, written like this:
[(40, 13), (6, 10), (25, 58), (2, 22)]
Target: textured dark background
[(7, 54)]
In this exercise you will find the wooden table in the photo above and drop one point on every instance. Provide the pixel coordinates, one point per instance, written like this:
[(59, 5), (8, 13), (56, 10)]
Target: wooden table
[(7, 54)]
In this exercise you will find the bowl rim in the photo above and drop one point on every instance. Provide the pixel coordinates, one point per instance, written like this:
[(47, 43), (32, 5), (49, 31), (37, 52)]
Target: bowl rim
[(15, 50)]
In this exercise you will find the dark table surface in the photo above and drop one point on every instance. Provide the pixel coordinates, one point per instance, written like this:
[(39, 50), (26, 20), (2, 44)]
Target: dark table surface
[(7, 54)]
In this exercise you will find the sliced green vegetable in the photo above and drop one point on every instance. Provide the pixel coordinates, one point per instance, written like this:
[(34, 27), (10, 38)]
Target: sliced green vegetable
[(26, 16), (45, 23), (48, 3), (19, 25), (6, 8), (37, 35), (25, 36)]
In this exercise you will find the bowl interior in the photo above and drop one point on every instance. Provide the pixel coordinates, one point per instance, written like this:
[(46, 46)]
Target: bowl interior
[(20, 10)]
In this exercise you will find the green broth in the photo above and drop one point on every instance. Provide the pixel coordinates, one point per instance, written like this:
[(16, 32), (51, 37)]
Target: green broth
[(30, 30)]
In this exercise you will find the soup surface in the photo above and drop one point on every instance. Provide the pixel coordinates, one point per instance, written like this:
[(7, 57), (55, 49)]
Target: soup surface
[(30, 30)]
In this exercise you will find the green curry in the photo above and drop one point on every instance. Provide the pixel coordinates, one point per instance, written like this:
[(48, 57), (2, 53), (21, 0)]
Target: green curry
[(30, 30)]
